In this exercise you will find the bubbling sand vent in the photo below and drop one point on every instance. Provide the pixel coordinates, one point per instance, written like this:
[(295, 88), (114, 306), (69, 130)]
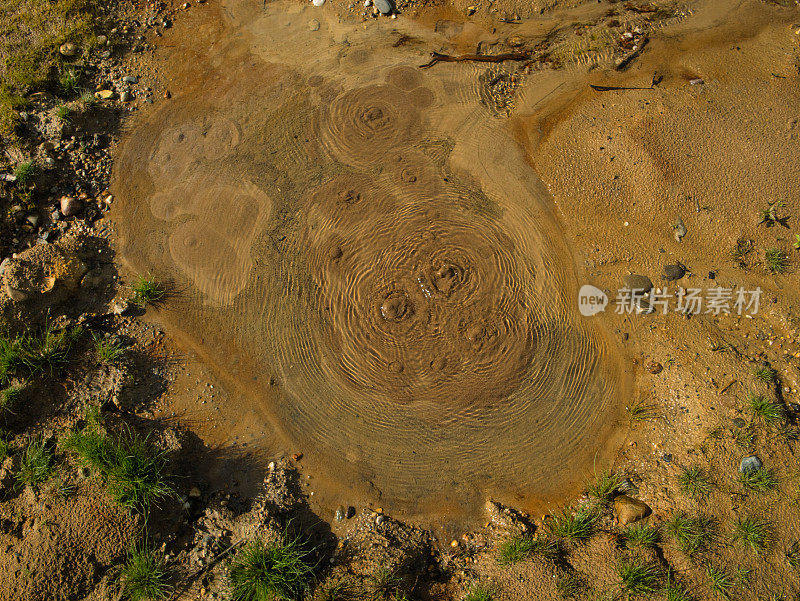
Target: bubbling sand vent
[(362, 246)]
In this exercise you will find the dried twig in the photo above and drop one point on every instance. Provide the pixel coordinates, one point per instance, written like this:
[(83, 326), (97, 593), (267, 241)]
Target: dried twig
[(437, 57)]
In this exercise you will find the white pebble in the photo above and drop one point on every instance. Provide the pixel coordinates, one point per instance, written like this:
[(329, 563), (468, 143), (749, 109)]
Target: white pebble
[(367, 3)]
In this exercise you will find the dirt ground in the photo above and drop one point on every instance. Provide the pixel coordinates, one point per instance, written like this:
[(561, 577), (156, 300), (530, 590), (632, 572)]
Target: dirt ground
[(373, 330)]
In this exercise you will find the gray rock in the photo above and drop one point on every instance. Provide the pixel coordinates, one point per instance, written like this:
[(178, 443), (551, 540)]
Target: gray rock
[(641, 283), (125, 96), (130, 79), (674, 272), (33, 219), (385, 7), (679, 229), (70, 206), (750, 464), (339, 514)]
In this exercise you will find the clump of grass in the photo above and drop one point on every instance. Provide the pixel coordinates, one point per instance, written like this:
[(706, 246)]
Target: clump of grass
[(793, 554), (25, 172), (64, 113), (575, 526), (674, 591), (147, 291), (770, 216), (31, 353), (603, 486), (479, 592), (743, 248), (641, 535), (693, 534), (88, 99), (36, 464), (776, 259), (751, 533), (761, 480), (144, 576), (134, 472), (9, 398), (518, 548), (107, 350), (384, 582), (68, 81), (571, 586), (271, 570), (5, 448), (720, 581), (766, 374), (764, 408), (640, 411), (637, 578), (694, 482)]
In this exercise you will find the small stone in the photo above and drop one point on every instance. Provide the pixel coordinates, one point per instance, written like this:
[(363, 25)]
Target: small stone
[(339, 514), (367, 3), (120, 307), (654, 367), (194, 493), (351, 512), (130, 79), (167, 94), (628, 510), (70, 206), (101, 39), (104, 94), (667, 457), (317, 2), (380, 520), (679, 229), (640, 283), (385, 7), (33, 219), (674, 272), (68, 49), (739, 422), (125, 96), (750, 464), (313, 25), (697, 81), (471, 10)]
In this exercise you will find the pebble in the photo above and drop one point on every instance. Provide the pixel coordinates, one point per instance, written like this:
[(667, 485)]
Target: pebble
[(104, 94), (739, 422), (351, 512), (340, 514), (101, 39), (628, 510), (33, 219), (70, 206), (194, 493), (750, 464), (696, 82), (641, 283), (654, 367), (317, 2), (68, 49), (674, 272), (313, 25), (367, 3), (130, 79), (125, 97), (380, 520), (679, 229), (385, 7)]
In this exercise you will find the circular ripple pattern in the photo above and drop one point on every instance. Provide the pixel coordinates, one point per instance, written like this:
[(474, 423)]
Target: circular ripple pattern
[(400, 286)]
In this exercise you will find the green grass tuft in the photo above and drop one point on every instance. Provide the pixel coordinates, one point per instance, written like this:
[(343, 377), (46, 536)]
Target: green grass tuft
[(147, 291), (9, 398), (36, 464), (760, 480), (693, 534), (572, 586), (720, 581), (751, 533), (576, 526), (31, 353), (777, 260), (25, 172), (68, 82), (518, 548), (132, 469), (603, 486), (637, 578), (271, 570), (479, 592), (144, 576), (108, 350), (765, 409), (766, 374), (694, 482), (639, 411), (674, 591), (64, 113), (641, 535)]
